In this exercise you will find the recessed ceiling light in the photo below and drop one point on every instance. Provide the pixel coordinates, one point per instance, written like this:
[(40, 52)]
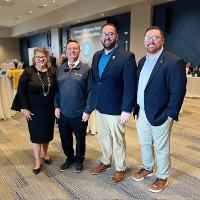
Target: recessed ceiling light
[(29, 12), (7, 2), (53, 1), (42, 6), (77, 20), (102, 14)]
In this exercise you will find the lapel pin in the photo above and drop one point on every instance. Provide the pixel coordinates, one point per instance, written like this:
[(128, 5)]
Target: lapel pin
[(113, 57), (161, 61)]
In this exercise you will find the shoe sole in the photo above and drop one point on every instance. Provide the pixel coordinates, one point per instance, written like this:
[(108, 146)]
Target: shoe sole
[(79, 171), (156, 191), (63, 170), (141, 179), (101, 171)]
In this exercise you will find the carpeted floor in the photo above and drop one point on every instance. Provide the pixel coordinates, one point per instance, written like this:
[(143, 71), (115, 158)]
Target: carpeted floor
[(17, 181)]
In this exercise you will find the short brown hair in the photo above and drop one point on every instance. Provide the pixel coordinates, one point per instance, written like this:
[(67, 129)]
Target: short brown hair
[(155, 28), (72, 40)]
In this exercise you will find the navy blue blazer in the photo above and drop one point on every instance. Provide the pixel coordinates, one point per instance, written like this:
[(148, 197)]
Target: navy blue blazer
[(166, 88), (115, 91)]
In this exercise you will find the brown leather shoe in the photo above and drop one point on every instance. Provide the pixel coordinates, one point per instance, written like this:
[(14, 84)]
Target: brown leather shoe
[(100, 168), (158, 185), (118, 176)]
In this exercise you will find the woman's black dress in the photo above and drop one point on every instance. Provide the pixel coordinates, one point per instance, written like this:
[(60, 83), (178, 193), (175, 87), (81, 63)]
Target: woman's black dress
[(30, 93)]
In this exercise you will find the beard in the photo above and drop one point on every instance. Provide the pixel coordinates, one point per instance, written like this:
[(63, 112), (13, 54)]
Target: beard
[(108, 44), (153, 48)]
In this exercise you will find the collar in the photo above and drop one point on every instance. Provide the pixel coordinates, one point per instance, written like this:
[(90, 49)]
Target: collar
[(76, 65)]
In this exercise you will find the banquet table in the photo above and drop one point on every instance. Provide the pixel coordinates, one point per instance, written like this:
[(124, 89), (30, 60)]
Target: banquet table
[(193, 87), (15, 74), (6, 98)]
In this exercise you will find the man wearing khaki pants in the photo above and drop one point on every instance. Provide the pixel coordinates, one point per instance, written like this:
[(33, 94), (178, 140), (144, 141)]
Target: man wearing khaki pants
[(113, 83)]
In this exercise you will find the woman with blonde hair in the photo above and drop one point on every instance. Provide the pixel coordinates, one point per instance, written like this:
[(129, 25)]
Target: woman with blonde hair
[(35, 98)]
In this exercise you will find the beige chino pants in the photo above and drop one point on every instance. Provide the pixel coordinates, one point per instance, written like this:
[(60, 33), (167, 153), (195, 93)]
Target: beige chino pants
[(111, 135)]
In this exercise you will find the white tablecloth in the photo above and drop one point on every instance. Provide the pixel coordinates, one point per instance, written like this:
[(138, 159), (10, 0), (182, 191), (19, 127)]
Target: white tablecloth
[(193, 87), (6, 98), (92, 123)]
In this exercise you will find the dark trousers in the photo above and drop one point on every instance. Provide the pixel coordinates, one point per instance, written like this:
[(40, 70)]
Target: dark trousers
[(68, 126)]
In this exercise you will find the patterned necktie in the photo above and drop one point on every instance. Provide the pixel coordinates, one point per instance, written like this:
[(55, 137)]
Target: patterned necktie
[(71, 65)]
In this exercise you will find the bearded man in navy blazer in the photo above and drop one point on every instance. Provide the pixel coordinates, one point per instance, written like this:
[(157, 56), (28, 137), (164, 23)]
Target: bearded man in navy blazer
[(113, 83), (161, 91)]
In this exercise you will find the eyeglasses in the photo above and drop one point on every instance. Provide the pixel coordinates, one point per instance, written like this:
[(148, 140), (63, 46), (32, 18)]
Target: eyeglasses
[(40, 57), (149, 38), (109, 34)]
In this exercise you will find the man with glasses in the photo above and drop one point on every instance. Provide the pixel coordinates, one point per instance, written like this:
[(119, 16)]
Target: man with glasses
[(161, 91), (113, 83)]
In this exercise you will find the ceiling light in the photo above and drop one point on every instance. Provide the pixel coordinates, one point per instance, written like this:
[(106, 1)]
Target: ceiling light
[(42, 6), (77, 20), (102, 14), (53, 1), (29, 12), (7, 2)]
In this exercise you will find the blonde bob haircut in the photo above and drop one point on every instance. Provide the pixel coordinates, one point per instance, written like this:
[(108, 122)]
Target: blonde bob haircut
[(45, 52)]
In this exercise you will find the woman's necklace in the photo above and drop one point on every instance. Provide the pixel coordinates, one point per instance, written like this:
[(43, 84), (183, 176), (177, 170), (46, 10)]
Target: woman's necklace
[(45, 93)]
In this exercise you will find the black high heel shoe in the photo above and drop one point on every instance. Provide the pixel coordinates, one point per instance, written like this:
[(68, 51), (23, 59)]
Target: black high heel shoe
[(47, 161), (38, 170)]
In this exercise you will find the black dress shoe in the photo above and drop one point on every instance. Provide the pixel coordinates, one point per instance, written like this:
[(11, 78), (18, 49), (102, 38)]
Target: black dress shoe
[(66, 165), (47, 161), (37, 171)]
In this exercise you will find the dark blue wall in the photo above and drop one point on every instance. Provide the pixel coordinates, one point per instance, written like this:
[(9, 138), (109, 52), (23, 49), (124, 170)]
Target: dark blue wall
[(42, 40), (64, 32), (122, 22), (181, 22)]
